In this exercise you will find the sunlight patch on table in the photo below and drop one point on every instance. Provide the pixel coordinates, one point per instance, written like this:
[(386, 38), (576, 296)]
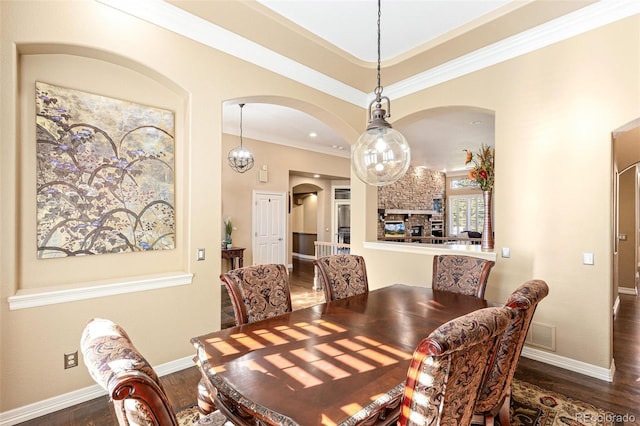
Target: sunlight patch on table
[(303, 377), (330, 369), (222, 347), (355, 363), (271, 337)]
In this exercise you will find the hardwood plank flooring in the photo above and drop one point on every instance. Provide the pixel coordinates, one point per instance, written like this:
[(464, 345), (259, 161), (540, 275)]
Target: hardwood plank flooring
[(622, 396)]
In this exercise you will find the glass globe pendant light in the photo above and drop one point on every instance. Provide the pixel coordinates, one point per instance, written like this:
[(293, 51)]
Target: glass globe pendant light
[(240, 158), (381, 155)]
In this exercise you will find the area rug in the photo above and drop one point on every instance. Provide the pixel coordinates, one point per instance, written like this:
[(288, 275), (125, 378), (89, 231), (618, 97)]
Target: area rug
[(530, 406), (191, 416), (534, 406)]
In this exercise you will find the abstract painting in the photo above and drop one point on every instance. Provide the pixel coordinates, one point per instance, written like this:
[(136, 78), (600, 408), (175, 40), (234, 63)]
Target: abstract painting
[(105, 174)]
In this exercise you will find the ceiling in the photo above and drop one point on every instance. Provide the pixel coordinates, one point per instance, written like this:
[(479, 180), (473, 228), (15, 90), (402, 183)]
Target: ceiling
[(437, 140), (331, 45)]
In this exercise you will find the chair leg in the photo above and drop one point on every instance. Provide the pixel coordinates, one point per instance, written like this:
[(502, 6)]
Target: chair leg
[(478, 419), (504, 415)]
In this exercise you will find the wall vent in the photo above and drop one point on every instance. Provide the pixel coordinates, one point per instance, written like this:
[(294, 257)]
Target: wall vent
[(542, 336)]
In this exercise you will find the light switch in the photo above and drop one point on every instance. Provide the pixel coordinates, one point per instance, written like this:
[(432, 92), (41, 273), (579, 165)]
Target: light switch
[(587, 258), (201, 254), (506, 252)]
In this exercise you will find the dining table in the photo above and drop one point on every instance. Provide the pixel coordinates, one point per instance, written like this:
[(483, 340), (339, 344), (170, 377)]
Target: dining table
[(342, 362)]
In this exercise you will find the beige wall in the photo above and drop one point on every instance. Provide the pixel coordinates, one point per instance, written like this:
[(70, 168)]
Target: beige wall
[(237, 189), (161, 68), (555, 109)]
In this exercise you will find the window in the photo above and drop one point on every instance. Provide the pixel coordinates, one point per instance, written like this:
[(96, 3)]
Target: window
[(463, 182), (466, 213)]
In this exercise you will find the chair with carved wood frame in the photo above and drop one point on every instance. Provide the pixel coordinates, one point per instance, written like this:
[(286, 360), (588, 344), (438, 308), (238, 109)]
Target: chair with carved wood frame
[(461, 274), (132, 384), (257, 292), (447, 368), (494, 398), (343, 275)]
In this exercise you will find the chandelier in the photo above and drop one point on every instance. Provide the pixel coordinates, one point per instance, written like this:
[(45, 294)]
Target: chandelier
[(381, 155), (240, 158)]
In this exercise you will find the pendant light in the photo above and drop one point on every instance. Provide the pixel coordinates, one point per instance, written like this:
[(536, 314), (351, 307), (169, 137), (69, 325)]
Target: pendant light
[(240, 158), (381, 155)]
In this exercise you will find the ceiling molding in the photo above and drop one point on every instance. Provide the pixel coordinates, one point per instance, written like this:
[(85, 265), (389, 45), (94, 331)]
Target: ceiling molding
[(174, 19), (573, 24)]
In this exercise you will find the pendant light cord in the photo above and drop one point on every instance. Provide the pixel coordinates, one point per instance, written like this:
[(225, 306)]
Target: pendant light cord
[(378, 91), (241, 106)]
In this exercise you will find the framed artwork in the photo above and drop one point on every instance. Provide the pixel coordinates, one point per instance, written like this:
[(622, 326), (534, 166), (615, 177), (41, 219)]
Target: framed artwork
[(105, 174)]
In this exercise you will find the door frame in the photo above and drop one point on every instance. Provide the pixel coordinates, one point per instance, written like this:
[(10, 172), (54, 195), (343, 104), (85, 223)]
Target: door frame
[(334, 210)]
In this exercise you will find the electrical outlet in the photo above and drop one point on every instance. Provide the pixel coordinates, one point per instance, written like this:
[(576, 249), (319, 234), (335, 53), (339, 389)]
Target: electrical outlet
[(70, 359)]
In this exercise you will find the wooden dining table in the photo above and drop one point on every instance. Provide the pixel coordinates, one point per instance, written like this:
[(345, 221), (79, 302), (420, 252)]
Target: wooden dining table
[(337, 363)]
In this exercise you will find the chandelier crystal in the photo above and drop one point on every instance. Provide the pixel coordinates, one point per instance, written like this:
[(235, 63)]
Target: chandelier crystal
[(381, 155), (240, 158)]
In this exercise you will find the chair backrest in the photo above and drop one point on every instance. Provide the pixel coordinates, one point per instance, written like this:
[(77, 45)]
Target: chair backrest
[(447, 368), (258, 292), (461, 274), (116, 365), (343, 275), (496, 386)]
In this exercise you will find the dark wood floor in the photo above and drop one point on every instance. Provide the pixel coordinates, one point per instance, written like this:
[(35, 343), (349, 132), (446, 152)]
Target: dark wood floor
[(622, 396)]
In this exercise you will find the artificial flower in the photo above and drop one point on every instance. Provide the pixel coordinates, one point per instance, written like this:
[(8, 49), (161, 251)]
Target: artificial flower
[(482, 170)]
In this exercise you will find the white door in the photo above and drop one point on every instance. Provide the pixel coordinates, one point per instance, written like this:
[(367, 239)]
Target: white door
[(269, 227)]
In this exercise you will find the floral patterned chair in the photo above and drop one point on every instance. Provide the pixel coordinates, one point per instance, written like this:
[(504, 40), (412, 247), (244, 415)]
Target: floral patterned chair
[(258, 292), (343, 275), (447, 368), (495, 395), (133, 386), (461, 274)]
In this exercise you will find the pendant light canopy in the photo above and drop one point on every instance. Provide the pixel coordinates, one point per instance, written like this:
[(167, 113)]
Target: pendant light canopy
[(381, 155), (240, 158)]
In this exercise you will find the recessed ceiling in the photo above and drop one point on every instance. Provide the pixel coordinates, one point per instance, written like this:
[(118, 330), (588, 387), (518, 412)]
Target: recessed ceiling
[(331, 46), (438, 138), (351, 25), (283, 125)]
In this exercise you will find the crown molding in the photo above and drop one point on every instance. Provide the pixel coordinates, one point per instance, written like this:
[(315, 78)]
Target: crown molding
[(586, 19), (172, 18)]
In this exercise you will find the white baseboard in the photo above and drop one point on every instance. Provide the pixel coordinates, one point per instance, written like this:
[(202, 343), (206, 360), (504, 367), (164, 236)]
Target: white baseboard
[(628, 290), (47, 406), (50, 405), (303, 256), (570, 364)]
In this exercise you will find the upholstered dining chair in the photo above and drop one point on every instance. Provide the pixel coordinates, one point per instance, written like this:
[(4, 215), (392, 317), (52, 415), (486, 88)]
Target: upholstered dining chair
[(461, 274), (258, 292), (133, 386), (494, 398), (447, 368), (343, 275)]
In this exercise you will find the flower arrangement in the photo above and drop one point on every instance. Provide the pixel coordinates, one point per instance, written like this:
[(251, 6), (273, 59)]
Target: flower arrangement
[(228, 228), (482, 171)]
